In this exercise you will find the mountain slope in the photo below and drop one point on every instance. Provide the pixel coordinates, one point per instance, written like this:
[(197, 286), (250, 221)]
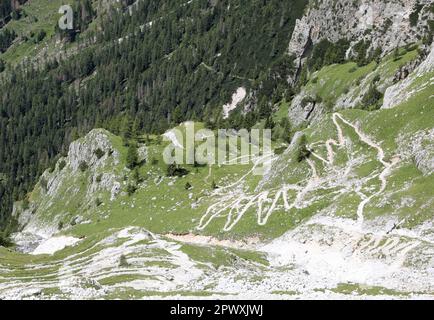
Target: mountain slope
[(355, 217), (344, 211), (145, 62)]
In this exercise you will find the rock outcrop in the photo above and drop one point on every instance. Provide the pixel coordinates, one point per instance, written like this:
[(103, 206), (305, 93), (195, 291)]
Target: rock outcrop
[(384, 24), (86, 150), (401, 91), (381, 24), (88, 171), (420, 150)]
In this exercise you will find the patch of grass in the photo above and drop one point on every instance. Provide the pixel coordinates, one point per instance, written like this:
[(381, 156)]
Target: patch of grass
[(221, 256), (359, 289)]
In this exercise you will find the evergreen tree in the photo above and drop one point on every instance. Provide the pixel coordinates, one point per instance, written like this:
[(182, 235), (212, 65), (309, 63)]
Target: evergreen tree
[(302, 150), (132, 156), (286, 130), (126, 131)]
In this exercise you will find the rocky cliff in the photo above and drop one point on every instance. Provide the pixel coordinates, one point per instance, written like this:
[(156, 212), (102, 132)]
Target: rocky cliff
[(384, 24), (66, 193), (396, 27)]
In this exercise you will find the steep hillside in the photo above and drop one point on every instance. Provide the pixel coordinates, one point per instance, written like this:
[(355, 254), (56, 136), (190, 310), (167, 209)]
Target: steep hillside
[(345, 209), (155, 64), (378, 24), (353, 218)]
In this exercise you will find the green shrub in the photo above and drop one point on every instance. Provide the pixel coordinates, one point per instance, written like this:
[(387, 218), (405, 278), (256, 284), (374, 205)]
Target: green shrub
[(16, 14), (361, 50), (376, 55), (396, 55), (137, 176), (123, 261), (98, 202), (83, 166), (214, 185), (280, 150), (44, 184), (414, 16), (132, 156), (99, 153), (353, 69), (73, 221), (286, 134), (376, 79), (5, 241), (174, 170), (302, 151), (62, 164), (39, 36), (131, 189), (326, 53), (372, 98), (410, 47), (188, 186), (26, 204)]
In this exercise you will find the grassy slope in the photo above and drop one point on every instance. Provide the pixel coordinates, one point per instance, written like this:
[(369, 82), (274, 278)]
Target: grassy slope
[(333, 81), (162, 205), (41, 15)]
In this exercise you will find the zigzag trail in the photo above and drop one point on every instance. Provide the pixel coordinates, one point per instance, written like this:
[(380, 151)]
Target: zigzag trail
[(236, 203), (233, 204), (380, 157)]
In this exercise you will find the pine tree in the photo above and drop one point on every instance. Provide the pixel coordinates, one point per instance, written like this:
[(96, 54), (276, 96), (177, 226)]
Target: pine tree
[(302, 150), (132, 156), (286, 130)]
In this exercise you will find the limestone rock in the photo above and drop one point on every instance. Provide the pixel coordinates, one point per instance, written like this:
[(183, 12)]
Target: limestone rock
[(403, 90), (384, 24)]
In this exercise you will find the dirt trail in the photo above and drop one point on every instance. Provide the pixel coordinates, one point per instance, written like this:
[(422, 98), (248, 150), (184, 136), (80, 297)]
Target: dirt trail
[(332, 142), (380, 157), (234, 203)]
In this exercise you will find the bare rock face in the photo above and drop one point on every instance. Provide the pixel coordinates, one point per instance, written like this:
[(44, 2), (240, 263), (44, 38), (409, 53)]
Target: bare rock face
[(384, 24), (420, 150), (87, 172), (85, 150), (301, 40), (142, 152), (304, 109), (300, 37)]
